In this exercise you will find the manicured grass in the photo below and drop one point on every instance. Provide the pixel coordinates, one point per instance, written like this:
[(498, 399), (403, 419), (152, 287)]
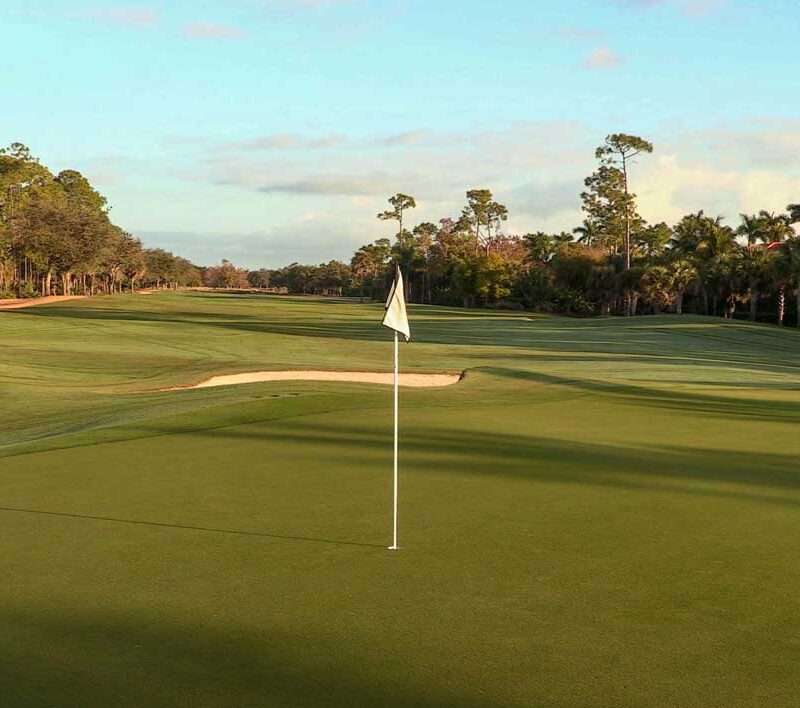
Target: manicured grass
[(604, 513)]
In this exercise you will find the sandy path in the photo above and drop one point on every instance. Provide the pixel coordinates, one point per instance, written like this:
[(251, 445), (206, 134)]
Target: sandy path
[(30, 302), (410, 380)]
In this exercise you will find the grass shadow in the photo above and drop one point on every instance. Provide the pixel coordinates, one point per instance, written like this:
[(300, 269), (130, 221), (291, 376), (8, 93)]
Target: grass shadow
[(186, 527)]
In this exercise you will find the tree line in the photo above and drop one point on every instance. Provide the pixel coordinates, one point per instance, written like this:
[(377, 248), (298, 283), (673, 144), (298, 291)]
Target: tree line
[(56, 237), (614, 262)]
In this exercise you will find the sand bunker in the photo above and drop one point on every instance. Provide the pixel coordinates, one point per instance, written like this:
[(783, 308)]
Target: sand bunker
[(410, 380), (30, 302)]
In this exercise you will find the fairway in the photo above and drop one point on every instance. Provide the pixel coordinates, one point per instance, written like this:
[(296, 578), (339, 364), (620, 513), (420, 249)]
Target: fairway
[(602, 513)]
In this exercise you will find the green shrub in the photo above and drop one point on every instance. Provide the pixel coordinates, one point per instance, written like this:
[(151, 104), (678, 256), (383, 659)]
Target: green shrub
[(567, 301), (25, 289)]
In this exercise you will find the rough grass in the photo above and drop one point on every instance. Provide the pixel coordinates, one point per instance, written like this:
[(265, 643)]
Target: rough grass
[(604, 513)]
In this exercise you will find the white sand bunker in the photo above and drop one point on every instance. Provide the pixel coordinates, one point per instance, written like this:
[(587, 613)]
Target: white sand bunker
[(18, 303), (410, 380)]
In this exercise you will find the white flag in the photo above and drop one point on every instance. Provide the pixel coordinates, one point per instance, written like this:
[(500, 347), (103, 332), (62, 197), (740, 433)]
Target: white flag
[(396, 317)]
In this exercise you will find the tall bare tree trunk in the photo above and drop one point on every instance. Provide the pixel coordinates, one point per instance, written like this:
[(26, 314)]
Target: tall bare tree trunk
[(781, 305), (629, 307), (627, 216)]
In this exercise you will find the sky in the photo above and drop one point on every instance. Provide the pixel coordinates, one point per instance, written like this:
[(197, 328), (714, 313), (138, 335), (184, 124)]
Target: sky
[(272, 131)]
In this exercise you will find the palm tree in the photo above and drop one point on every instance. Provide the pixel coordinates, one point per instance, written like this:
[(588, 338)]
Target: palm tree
[(703, 240), (590, 234), (688, 233), (657, 286), (604, 286), (765, 227), (652, 240), (775, 228), (682, 275), (770, 228), (750, 228), (782, 274), (792, 253), (753, 268)]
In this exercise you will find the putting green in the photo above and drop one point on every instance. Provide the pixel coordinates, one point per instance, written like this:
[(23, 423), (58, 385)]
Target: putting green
[(602, 513)]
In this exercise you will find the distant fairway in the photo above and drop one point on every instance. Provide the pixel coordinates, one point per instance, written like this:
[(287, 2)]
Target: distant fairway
[(603, 513)]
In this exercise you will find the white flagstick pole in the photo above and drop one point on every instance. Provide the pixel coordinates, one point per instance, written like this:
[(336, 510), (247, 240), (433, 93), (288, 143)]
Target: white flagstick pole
[(394, 546)]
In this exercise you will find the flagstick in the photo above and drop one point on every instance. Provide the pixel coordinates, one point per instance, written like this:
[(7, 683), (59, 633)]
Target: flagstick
[(394, 546)]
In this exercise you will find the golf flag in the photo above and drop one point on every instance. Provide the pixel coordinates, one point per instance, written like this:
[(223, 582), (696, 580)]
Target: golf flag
[(395, 317)]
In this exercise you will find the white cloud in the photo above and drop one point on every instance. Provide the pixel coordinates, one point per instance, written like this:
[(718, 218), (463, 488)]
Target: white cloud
[(689, 7), (545, 198), (212, 30), (309, 4), (758, 143), (643, 3), (129, 16), (410, 138), (306, 240), (703, 7), (579, 34), (536, 168), (672, 185), (285, 141), (330, 184), (602, 58)]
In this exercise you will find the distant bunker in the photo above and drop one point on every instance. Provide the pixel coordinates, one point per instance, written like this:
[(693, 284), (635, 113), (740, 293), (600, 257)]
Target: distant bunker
[(410, 380)]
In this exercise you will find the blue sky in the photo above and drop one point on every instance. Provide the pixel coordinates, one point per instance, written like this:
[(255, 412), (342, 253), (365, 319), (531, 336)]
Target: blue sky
[(268, 131)]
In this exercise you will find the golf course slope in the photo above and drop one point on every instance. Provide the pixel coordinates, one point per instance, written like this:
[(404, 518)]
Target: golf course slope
[(603, 513)]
